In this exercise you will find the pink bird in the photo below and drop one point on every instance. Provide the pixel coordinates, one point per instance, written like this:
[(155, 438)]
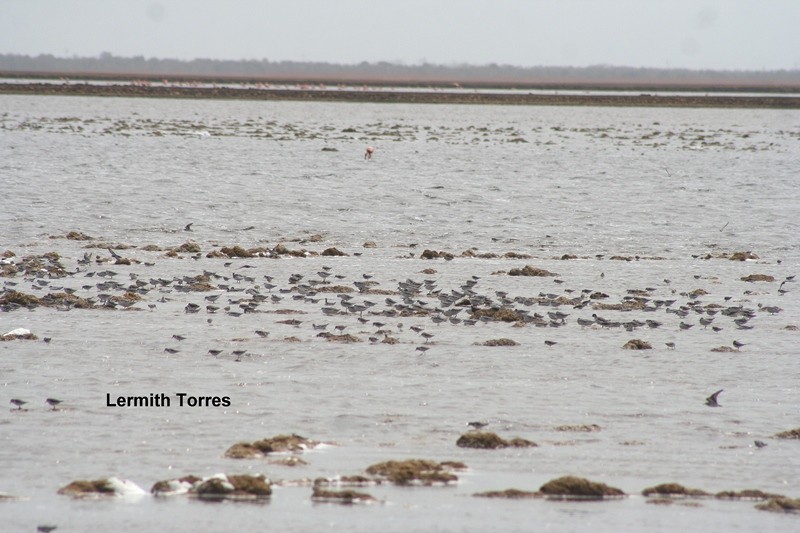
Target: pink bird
[(368, 154)]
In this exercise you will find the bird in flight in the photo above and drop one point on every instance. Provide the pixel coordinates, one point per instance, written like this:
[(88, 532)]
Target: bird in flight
[(711, 401)]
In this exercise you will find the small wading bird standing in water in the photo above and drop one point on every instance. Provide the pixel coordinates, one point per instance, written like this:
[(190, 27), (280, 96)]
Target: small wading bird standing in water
[(368, 153)]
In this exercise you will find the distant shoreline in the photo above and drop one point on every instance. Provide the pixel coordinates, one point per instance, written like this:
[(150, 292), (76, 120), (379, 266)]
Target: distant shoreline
[(638, 97)]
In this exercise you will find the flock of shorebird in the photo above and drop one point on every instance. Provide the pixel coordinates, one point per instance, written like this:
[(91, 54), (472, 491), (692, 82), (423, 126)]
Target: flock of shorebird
[(366, 308)]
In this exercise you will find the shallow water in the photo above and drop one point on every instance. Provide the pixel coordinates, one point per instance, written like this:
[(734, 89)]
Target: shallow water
[(667, 185)]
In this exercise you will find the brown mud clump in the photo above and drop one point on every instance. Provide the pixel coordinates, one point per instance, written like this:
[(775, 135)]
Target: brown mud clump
[(780, 505), (531, 271), (77, 236), (173, 486), (97, 487), (19, 299), (37, 266), (509, 494), (499, 342), (336, 289), (584, 428), (742, 256), (571, 487), (233, 487), (722, 349), (504, 314), (433, 254), (346, 338), (747, 494), (201, 283), (346, 497), (673, 490), (486, 440), (333, 252), (637, 344), (235, 251), (790, 434), (189, 247), (277, 444), (758, 277), (414, 472)]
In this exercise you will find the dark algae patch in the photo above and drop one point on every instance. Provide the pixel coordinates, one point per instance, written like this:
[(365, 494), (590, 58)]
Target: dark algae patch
[(414, 472), (781, 505), (790, 434), (277, 444), (97, 487), (346, 497), (673, 490), (233, 487), (486, 440), (509, 494), (571, 487)]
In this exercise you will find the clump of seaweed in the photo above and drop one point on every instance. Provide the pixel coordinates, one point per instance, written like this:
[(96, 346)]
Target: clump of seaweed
[(747, 494), (433, 254), (414, 472), (531, 271), (583, 428), (180, 485), (742, 256), (758, 277), (789, 434), (99, 487), (499, 342), (345, 338), (637, 344), (280, 443), (503, 314), (723, 349), (571, 487), (673, 490), (238, 487), (509, 494), (333, 252), (235, 251), (346, 497), (486, 440), (780, 505), (189, 247), (76, 236)]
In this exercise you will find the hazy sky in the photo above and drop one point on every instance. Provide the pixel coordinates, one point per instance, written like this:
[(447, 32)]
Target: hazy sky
[(720, 34)]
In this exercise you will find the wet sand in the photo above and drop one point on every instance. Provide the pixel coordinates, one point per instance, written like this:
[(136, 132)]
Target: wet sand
[(642, 99)]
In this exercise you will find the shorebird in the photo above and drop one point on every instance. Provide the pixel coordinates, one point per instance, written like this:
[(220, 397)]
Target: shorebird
[(737, 345), (52, 402), (478, 425), (760, 444), (369, 152), (188, 227), (550, 343), (711, 401), (19, 403), (670, 345)]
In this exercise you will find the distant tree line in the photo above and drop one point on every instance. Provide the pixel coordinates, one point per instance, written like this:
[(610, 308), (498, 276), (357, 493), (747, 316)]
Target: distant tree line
[(382, 72)]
